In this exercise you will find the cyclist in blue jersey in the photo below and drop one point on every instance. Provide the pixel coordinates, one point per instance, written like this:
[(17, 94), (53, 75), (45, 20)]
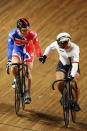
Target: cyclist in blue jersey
[(20, 43)]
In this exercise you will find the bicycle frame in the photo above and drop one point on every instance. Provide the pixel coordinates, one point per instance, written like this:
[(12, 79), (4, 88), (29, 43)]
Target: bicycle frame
[(20, 85), (68, 100)]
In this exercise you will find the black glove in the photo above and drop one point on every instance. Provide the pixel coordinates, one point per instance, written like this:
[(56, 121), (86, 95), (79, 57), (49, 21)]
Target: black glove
[(8, 63), (42, 59), (70, 78), (8, 66)]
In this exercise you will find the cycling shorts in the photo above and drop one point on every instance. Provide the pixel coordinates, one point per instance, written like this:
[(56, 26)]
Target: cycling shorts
[(28, 57), (65, 68)]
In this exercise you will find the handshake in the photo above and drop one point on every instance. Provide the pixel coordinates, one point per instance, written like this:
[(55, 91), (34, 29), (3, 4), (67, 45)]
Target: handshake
[(42, 59)]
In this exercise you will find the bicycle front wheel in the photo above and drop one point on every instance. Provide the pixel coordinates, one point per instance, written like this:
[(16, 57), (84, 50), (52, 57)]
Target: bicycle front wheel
[(23, 91), (66, 117), (17, 98), (73, 112), (66, 106)]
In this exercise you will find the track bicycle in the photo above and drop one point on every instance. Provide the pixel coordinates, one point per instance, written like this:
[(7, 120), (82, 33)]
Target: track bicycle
[(67, 100), (20, 87)]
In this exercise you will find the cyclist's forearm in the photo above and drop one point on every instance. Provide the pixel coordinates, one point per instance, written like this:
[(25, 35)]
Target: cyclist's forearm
[(74, 69)]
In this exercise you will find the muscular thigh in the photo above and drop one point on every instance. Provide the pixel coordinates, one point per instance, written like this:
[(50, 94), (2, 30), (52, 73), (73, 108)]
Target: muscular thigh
[(60, 75), (30, 67), (60, 84), (14, 60)]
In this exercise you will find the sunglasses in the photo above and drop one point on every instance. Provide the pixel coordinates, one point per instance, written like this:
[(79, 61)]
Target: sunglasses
[(24, 30), (63, 42)]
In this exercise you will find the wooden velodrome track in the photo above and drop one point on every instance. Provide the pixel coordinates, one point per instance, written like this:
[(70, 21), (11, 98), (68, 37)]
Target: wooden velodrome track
[(47, 18)]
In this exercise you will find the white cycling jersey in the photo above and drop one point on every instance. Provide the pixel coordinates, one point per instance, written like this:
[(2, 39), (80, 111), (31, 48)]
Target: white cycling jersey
[(65, 55)]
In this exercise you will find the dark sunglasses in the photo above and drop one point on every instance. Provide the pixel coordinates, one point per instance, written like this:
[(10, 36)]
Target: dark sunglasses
[(24, 30), (64, 42)]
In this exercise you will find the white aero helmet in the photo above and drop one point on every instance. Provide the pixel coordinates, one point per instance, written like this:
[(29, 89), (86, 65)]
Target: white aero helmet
[(63, 37)]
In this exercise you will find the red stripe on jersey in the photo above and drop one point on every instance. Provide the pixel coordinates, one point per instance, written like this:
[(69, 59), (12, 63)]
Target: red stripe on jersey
[(75, 62), (16, 57), (21, 42), (25, 21)]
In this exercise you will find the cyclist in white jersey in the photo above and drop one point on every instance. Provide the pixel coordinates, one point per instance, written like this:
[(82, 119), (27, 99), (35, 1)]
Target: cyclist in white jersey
[(68, 60)]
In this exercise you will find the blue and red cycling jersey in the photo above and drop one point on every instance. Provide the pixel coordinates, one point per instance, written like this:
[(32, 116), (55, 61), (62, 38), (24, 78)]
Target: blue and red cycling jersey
[(18, 45)]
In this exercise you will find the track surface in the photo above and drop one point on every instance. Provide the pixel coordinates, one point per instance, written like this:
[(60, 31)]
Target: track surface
[(47, 18)]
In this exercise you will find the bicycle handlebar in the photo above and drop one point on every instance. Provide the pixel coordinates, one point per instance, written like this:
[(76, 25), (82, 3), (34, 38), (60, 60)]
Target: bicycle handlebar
[(18, 64), (63, 80)]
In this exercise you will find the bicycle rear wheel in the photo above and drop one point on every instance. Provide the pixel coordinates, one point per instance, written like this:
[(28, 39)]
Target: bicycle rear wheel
[(73, 115), (72, 106), (17, 98), (66, 106)]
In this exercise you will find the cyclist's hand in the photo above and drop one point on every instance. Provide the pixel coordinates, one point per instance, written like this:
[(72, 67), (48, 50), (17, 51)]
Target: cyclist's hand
[(8, 66), (42, 59), (70, 78), (8, 63)]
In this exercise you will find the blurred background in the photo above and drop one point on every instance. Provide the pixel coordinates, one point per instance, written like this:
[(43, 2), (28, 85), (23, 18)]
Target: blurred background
[(47, 18)]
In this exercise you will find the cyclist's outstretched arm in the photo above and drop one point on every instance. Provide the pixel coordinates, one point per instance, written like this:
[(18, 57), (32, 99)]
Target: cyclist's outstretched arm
[(47, 51), (51, 47)]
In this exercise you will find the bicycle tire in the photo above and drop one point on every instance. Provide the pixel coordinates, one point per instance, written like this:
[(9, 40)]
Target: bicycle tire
[(23, 91), (66, 106), (17, 98), (73, 113), (72, 100), (66, 117)]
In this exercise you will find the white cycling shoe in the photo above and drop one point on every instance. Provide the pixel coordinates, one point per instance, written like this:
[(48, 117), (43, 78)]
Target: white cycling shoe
[(27, 98), (13, 84)]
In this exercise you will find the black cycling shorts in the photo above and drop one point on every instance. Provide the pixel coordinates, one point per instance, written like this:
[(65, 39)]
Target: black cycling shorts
[(65, 68)]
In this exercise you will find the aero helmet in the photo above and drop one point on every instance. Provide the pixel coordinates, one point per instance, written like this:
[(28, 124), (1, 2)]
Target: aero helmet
[(23, 23), (63, 37)]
